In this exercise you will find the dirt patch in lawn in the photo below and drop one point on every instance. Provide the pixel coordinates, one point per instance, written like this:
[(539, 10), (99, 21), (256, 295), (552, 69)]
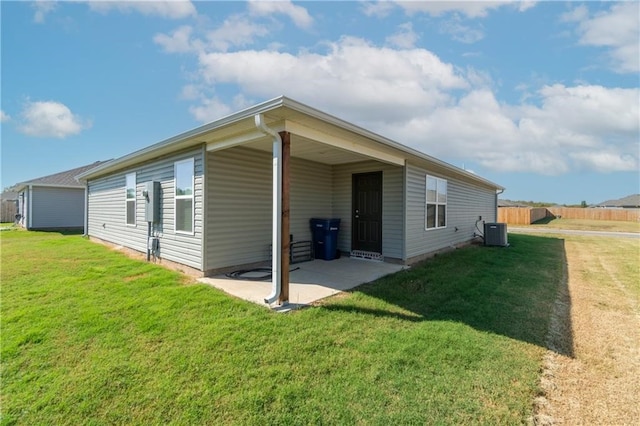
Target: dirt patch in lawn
[(598, 382)]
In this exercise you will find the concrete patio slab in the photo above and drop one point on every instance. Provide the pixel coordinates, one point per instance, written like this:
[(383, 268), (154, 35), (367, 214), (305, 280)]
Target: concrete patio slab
[(309, 281)]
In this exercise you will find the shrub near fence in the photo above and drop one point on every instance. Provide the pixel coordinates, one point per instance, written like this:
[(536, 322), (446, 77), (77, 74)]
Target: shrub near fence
[(626, 215), (521, 215)]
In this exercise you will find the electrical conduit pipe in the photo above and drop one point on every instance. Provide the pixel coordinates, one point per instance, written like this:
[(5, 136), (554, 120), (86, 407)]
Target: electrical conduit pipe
[(276, 246)]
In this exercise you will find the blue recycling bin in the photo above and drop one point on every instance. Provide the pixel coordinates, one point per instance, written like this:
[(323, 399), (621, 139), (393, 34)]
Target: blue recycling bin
[(325, 237)]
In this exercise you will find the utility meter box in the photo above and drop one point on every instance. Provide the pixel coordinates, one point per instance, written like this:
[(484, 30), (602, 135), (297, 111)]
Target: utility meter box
[(151, 194)]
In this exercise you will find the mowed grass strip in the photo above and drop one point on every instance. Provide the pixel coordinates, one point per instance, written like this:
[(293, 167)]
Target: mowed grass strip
[(91, 336), (586, 225)]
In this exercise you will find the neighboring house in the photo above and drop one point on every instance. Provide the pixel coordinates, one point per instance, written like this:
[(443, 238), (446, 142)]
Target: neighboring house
[(218, 192), (628, 202), (8, 206), (53, 202)]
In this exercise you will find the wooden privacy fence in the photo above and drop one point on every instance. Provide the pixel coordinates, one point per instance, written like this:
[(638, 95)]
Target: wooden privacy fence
[(627, 215), (521, 215), (8, 211), (528, 215)]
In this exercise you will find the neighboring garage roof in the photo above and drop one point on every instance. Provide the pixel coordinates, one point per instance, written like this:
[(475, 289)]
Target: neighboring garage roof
[(628, 201), (9, 196), (66, 179), (277, 111), (509, 203)]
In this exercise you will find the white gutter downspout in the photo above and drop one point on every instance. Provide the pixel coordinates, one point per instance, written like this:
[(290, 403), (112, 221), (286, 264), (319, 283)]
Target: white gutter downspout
[(498, 193), (276, 245)]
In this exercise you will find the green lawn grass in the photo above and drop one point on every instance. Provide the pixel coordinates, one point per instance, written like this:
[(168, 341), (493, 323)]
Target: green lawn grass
[(90, 336), (586, 225)]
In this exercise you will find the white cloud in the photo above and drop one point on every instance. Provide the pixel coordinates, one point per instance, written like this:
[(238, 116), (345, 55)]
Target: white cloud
[(191, 92), (404, 38), (617, 29), (50, 119), (213, 108), (4, 117), (408, 95), (457, 12), (298, 14), (353, 68), (524, 5), (235, 31), (606, 161), (471, 9), (171, 9), (179, 41), (380, 8), (42, 8), (412, 96), (583, 127), (210, 109), (577, 14), (460, 32)]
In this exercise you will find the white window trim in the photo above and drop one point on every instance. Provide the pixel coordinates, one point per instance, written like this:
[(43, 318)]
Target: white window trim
[(436, 203), (128, 200), (184, 197)]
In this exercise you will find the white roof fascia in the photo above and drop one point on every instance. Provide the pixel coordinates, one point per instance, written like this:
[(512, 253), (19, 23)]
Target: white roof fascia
[(24, 185)]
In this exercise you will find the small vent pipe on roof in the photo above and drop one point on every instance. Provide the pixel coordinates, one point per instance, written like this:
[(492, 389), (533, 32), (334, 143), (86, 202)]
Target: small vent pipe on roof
[(276, 246)]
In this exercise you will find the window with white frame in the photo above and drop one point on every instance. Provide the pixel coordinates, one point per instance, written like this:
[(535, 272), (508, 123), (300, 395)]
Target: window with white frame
[(131, 198), (436, 203), (184, 172)]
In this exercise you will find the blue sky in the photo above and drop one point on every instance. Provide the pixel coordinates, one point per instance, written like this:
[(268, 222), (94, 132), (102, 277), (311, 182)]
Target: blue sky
[(540, 97)]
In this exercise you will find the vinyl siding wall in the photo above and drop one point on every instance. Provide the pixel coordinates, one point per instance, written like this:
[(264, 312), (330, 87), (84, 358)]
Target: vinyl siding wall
[(465, 202), (57, 207), (392, 204), (107, 209), (239, 182)]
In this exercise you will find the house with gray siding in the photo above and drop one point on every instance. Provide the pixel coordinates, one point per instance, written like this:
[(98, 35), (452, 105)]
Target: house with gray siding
[(227, 194), (55, 201)]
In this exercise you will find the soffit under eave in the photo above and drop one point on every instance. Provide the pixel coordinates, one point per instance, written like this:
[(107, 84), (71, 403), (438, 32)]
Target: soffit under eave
[(310, 139)]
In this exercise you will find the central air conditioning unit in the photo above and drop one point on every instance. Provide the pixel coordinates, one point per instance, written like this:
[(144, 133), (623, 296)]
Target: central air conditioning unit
[(495, 234)]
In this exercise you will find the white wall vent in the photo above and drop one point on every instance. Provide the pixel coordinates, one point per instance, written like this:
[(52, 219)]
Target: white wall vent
[(495, 234)]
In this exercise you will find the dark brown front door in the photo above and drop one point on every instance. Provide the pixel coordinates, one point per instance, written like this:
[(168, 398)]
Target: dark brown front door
[(366, 233)]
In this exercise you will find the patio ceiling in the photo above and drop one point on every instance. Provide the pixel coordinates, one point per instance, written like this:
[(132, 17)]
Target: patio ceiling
[(311, 140), (308, 149)]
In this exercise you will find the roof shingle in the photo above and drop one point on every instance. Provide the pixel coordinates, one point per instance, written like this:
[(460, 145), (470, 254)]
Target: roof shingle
[(66, 178)]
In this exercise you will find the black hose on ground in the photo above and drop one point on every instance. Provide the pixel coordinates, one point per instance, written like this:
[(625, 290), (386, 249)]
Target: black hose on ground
[(480, 233), (241, 274)]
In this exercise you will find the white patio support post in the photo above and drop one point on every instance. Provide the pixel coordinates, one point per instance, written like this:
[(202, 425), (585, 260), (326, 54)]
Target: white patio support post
[(276, 226), (276, 211)]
